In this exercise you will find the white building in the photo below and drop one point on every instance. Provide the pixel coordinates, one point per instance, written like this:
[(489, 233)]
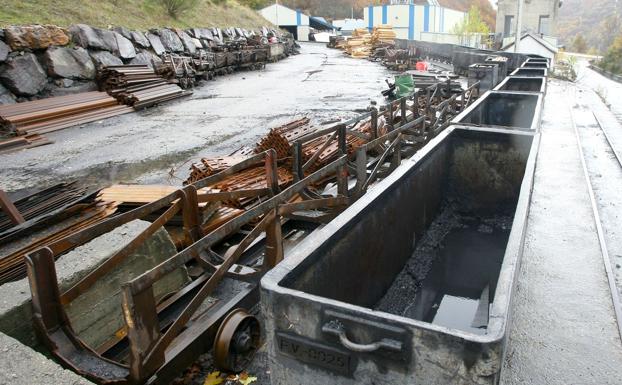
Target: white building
[(426, 20), (538, 17), (293, 21), (532, 44)]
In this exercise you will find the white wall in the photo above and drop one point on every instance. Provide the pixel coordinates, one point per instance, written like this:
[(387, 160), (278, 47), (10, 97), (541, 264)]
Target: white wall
[(449, 38), (283, 16), (303, 32), (440, 20)]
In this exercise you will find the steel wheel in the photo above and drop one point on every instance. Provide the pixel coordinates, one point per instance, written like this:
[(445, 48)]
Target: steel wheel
[(237, 341)]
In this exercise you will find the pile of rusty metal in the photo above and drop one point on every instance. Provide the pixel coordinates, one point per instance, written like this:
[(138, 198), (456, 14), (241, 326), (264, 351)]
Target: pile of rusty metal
[(52, 114), (321, 150), (281, 138), (182, 70), (43, 219), (137, 85)]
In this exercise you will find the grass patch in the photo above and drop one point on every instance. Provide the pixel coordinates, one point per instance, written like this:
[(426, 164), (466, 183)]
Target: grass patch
[(133, 14)]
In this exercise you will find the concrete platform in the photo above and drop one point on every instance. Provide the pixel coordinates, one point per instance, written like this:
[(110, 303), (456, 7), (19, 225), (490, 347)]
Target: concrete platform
[(564, 329), (21, 365)]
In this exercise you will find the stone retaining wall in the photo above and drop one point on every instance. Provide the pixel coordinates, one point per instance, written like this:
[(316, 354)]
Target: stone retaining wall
[(38, 61)]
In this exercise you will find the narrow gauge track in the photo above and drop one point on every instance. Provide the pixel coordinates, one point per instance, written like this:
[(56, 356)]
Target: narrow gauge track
[(615, 294)]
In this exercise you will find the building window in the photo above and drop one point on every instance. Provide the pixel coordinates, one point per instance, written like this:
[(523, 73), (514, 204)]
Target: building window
[(543, 25), (508, 27)]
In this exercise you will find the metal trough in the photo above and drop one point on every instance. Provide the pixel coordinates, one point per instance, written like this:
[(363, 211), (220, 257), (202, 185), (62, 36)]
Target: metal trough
[(518, 110), (522, 83), (526, 71), (321, 303), (535, 64), (487, 74)]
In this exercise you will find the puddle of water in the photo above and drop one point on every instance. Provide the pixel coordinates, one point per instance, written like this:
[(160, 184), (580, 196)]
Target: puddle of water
[(458, 290)]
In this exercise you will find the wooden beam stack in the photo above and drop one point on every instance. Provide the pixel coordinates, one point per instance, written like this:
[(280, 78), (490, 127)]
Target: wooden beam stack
[(383, 35), (360, 44)]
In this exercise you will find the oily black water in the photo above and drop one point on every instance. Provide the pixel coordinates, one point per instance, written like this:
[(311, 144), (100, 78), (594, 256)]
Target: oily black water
[(451, 277)]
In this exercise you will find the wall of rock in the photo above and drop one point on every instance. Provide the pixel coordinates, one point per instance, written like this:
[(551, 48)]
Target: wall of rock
[(38, 61)]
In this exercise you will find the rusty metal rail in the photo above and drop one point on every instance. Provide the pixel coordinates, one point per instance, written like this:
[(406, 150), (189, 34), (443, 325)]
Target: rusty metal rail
[(52, 114)]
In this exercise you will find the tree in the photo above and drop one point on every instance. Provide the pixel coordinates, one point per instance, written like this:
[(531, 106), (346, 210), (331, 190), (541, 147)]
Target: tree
[(579, 44), (612, 61), (608, 29), (471, 25)]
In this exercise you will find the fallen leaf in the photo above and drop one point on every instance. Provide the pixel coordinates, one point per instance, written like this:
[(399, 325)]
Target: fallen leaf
[(214, 378), (245, 379)]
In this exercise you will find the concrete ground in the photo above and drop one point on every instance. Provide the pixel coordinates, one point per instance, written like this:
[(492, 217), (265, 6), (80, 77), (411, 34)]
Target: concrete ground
[(21, 365), (564, 327), (220, 117)]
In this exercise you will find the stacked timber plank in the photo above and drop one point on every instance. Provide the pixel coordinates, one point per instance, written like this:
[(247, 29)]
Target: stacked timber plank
[(360, 44), (363, 44), (52, 114), (383, 35), (137, 85)]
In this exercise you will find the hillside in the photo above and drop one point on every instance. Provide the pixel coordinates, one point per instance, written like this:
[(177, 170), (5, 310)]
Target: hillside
[(133, 14), (598, 21)]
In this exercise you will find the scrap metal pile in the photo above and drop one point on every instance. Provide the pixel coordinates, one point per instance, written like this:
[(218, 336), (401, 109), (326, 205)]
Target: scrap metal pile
[(224, 51)]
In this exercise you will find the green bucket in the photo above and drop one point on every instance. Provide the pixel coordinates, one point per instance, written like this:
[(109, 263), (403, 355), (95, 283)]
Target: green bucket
[(404, 85)]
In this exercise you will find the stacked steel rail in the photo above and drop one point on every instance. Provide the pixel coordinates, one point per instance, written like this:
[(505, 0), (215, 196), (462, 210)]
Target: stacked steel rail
[(52, 114), (115, 79), (22, 142), (137, 85)]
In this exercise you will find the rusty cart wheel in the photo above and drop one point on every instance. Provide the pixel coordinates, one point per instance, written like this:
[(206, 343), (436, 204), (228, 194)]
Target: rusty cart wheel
[(237, 341)]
